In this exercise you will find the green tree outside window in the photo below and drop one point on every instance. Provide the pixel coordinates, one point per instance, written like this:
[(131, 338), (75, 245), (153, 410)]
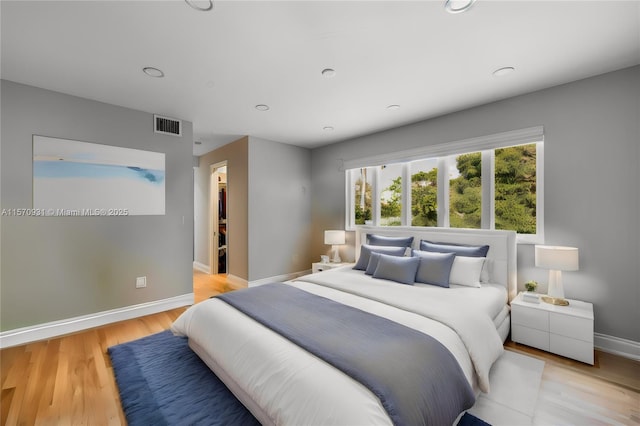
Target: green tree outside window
[(515, 193)]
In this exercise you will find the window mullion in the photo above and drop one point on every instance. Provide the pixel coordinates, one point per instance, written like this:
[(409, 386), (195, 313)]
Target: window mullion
[(406, 195), (375, 195), (443, 193), (540, 192), (350, 197), (488, 204)]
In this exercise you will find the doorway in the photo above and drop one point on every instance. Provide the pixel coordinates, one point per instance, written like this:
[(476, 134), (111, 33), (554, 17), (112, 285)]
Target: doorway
[(218, 220)]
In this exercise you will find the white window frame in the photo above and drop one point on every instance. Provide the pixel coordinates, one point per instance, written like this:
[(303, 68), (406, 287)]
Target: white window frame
[(486, 145)]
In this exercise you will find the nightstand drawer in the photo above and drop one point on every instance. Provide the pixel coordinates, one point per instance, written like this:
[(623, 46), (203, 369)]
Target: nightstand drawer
[(572, 348), (574, 327), (530, 317), (530, 337)]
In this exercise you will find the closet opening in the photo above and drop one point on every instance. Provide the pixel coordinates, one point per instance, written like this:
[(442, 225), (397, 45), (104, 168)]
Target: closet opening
[(218, 231)]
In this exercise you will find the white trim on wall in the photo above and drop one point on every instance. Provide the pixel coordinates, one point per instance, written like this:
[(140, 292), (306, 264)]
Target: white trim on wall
[(279, 278), (237, 280), (498, 140), (199, 266), (617, 346), (21, 336)]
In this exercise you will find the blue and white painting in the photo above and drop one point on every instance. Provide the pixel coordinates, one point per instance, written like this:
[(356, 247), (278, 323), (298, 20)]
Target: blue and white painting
[(73, 175)]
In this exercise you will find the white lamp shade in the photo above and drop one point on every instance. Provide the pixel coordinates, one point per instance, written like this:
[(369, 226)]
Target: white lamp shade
[(557, 258), (334, 237)]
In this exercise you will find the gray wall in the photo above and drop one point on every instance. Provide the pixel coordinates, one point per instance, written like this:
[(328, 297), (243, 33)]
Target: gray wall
[(592, 196), (279, 208), (269, 217), (237, 157), (55, 268)]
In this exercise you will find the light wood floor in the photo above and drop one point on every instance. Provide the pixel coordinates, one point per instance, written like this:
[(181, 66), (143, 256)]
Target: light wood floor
[(205, 285), (574, 393), (69, 380)]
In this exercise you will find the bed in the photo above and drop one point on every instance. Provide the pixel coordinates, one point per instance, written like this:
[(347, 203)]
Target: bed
[(287, 383)]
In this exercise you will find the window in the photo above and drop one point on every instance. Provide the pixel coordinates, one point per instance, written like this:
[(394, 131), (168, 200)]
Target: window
[(391, 195), (362, 201), (515, 188), (497, 185), (424, 192), (465, 190)]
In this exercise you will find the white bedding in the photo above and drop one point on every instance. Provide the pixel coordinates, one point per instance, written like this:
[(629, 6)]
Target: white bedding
[(283, 384)]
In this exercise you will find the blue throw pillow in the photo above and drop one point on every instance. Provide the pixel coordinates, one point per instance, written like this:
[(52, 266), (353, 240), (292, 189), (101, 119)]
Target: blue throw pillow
[(366, 250), (381, 240), (399, 269), (434, 268), (458, 249), (373, 263)]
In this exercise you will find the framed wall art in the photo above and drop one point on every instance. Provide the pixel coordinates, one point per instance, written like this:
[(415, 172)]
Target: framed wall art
[(95, 179)]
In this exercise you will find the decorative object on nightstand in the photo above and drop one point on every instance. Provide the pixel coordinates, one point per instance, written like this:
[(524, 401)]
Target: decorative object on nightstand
[(530, 295), (531, 285), (556, 259), (334, 238)]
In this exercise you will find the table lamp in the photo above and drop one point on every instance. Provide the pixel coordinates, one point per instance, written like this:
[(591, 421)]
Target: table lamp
[(556, 259), (334, 238)]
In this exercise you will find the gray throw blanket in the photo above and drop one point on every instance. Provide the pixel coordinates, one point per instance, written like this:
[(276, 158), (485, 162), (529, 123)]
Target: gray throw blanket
[(417, 380)]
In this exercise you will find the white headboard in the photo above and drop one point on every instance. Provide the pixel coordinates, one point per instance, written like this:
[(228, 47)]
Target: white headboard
[(502, 246)]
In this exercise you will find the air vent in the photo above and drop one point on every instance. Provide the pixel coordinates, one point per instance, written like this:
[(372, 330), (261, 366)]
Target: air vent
[(167, 126)]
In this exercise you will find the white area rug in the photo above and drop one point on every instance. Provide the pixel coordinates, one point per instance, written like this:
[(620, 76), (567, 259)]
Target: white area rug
[(515, 382)]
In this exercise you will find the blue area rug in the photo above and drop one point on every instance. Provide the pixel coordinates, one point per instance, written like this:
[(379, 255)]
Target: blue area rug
[(471, 420), (163, 382)]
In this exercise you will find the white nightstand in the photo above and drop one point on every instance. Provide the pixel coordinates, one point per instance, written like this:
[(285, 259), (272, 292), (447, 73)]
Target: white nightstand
[(322, 266), (562, 330)]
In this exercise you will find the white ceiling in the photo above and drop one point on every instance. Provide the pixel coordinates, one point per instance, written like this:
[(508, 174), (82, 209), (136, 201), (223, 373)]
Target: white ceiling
[(220, 64)]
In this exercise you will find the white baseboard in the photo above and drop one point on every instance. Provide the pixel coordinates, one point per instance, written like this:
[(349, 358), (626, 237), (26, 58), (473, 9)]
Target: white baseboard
[(21, 336), (617, 346), (201, 267), (279, 278), (237, 280)]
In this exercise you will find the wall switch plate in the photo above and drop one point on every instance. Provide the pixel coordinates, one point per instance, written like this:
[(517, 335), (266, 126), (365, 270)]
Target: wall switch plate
[(141, 282)]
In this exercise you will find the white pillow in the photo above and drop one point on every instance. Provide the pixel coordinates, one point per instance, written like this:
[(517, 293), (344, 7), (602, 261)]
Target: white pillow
[(466, 271), (486, 271)]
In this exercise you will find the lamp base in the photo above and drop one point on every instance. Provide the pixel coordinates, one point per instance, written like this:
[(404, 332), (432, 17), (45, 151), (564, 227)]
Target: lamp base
[(336, 255), (555, 300)]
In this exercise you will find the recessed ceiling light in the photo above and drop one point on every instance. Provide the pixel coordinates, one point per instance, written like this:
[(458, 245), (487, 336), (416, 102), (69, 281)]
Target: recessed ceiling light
[(327, 129), (328, 73), (393, 107), (458, 6), (153, 72), (262, 107), (501, 72), (200, 5)]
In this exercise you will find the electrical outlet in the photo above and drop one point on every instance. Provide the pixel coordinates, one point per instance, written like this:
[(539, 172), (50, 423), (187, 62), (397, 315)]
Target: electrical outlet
[(141, 282)]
